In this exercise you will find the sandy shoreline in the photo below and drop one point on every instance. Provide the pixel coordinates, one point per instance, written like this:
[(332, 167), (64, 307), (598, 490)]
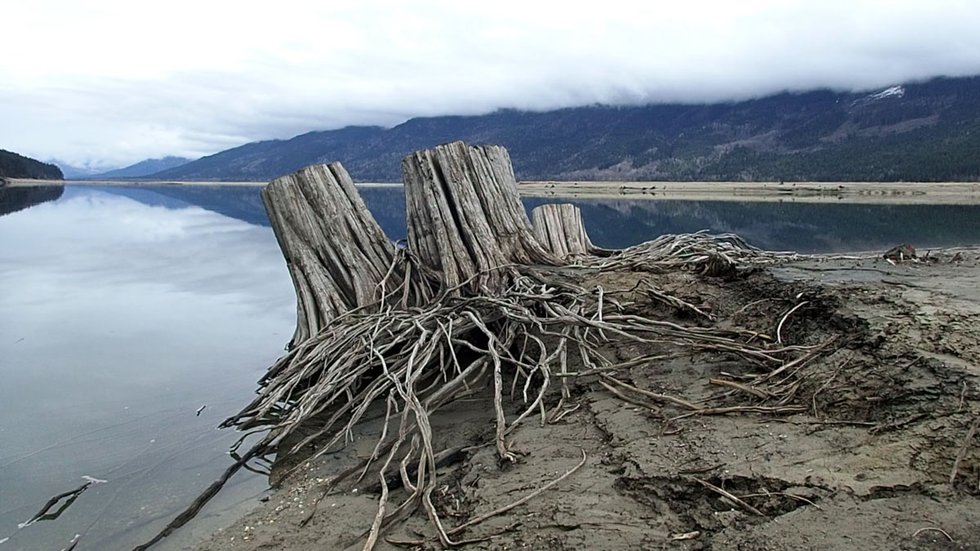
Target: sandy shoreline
[(867, 463), (938, 193), (25, 182), (920, 193)]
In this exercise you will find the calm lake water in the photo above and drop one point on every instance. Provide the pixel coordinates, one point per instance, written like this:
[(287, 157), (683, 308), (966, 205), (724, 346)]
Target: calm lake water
[(119, 318), (124, 310)]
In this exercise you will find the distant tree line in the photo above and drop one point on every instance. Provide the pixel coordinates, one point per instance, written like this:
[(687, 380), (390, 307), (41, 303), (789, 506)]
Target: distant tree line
[(13, 165)]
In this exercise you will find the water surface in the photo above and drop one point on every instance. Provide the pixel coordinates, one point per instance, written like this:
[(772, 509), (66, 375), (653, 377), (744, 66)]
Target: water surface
[(118, 321), (803, 227)]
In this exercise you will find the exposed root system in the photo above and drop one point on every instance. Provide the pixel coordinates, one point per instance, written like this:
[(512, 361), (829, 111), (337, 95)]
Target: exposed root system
[(476, 307), (412, 361)]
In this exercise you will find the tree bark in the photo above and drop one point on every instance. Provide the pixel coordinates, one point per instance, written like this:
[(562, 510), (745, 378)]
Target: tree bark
[(559, 229), (336, 252), (465, 219)]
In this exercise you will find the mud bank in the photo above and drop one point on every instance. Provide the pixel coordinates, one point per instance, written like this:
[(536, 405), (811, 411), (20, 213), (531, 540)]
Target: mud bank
[(877, 456)]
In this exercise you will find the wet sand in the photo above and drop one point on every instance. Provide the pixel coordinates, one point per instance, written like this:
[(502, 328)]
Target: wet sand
[(869, 463)]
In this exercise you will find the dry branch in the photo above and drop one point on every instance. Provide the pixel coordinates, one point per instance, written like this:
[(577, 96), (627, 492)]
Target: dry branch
[(662, 398), (519, 502), (46, 513), (782, 321), (962, 451), (932, 529), (728, 495)]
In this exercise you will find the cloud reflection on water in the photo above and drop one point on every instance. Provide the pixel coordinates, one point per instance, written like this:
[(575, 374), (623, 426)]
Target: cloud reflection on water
[(117, 321)]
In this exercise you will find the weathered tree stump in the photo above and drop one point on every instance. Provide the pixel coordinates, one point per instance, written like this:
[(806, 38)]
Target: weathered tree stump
[(469, 234), (465, 218), (336, 252), (560, 230)]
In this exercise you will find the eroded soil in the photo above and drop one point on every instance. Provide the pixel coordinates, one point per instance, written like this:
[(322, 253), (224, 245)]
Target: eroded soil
[(886, 406)]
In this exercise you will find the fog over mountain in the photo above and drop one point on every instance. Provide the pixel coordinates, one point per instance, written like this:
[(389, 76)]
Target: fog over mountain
[(927, 131), (143, 168)]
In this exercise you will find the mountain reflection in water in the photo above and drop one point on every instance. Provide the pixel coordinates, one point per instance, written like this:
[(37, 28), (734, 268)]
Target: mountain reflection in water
[(802, 227), (120, 320), (618, 223)]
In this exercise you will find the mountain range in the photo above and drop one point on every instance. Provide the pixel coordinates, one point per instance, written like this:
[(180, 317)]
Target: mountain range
[(923, 131), (141, 169), (75, 172), (138, 170)]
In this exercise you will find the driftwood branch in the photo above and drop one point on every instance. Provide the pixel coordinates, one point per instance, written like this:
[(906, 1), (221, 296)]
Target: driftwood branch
[(65, 499), (962, 451)]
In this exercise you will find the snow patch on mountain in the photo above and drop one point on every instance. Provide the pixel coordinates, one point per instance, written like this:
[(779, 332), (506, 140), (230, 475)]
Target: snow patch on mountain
[(894, 91)]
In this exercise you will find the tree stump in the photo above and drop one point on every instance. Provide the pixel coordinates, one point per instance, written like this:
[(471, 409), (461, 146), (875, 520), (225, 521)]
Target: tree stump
[(560, 230), (465, 218), (337, 255), (469, 234)]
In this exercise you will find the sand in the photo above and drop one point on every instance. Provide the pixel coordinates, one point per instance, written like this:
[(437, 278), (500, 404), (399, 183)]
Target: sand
[(922, 193), (867, 465)]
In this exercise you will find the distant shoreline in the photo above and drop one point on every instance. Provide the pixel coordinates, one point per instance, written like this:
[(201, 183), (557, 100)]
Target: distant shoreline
[(935, 193), (921, 193), (25, 182)]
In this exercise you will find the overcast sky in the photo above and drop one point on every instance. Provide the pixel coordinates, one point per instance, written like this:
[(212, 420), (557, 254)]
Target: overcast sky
[(109, 82)]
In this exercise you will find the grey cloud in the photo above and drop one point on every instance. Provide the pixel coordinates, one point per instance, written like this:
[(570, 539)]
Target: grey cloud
[(375, 63)]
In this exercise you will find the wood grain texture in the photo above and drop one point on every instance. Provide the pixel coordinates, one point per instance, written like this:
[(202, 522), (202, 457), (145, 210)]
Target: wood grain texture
[(465, 219), (559, 229), (336, 252)]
